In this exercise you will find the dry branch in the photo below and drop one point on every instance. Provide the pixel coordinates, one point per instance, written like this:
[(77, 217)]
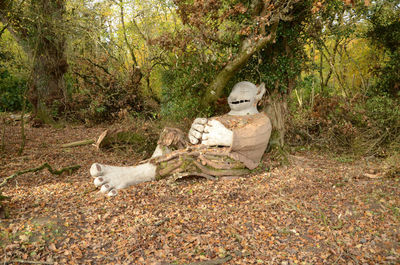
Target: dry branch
[(233, 172), (78, 143), (45, 165), (217, 165), (169, 169), (182, 175), (21, 261)]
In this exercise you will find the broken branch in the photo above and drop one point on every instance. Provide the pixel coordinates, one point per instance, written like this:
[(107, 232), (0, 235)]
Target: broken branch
[(78, 143), (45, 165)]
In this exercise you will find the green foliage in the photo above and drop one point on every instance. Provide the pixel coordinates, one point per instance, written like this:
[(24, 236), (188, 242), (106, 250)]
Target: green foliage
[(183, 87), (179, 96), (361, 126), (389, 75), (279, 64), (384, 111), (12, 74), (12, 89), (384, 32)]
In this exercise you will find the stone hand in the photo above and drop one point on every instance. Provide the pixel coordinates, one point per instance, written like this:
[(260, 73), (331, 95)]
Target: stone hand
[(215, 133), (197, 129)]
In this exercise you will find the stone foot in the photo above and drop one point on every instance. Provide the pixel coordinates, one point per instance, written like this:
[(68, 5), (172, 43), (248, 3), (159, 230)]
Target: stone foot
[(112, 178)]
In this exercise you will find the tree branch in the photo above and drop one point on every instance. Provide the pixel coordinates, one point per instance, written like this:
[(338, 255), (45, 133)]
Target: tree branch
[(121, 6), (248, 48), (4, 29), (45, 165)]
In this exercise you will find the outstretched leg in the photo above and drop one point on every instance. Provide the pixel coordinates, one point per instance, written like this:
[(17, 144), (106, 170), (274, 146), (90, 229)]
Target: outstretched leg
[(112, 178)]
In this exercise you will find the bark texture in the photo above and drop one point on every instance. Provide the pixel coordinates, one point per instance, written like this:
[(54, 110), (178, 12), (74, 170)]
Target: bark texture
[(38, 27), (277, 111)]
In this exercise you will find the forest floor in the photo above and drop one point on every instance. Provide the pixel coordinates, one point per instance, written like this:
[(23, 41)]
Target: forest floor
[(317, 209)]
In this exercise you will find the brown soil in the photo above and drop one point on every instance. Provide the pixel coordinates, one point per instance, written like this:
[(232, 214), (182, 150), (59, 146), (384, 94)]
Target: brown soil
[(316, 210)]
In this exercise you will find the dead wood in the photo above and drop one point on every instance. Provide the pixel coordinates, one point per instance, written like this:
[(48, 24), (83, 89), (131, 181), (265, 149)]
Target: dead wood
[(173, 155), (23, 136), (78, 143), (170, 168), (233, 172), (117, 136), (196, 174), (217, 165), (3, 134), (172, 137), (45, 165), (21, 261), (100, 139)]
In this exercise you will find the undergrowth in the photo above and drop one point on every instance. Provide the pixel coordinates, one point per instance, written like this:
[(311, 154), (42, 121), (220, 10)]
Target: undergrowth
[(362, 126)]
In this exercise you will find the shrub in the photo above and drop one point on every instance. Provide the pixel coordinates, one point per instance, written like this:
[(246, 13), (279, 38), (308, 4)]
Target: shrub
[(11, 92), (183, 88), (100, 92), (361, 125)]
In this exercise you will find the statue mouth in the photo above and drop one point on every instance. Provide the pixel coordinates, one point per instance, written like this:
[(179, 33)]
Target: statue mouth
[(240, 101)]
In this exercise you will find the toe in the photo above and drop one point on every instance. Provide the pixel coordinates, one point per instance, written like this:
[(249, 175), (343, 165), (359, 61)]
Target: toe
[(105, 188), (112, 193), (96, 170), (98, 181)]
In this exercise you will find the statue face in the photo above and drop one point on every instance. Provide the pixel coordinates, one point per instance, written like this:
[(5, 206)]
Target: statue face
[(243, 97)]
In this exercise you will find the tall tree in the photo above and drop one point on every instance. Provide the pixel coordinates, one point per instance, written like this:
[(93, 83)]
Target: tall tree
[(257, 21), (384, 32), (38, 27), (215, 41)]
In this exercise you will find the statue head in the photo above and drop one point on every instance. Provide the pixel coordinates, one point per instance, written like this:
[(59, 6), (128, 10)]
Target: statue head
[(244, 97)]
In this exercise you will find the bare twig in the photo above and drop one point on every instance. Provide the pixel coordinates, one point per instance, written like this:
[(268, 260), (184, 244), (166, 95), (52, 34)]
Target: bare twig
[(27, 262), (182, 175), (3, 134), (45, 165), (23, 136)]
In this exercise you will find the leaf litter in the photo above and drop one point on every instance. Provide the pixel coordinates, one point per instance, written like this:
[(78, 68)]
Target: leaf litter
[(315, 210)]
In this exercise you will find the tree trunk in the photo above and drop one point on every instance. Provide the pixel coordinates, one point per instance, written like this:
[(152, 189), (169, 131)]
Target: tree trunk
[(276, 110), (47, 86), (249, 47), (43, 39)]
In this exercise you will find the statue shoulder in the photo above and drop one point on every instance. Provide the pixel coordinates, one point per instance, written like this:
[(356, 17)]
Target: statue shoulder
[(264, 116)]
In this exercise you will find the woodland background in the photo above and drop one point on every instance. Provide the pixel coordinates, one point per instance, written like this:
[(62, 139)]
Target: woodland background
[(77, 67), (331, 67)]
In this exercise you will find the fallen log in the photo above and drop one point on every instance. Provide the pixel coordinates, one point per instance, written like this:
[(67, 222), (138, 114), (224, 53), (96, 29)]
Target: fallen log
[(78, 143), (45, 165)]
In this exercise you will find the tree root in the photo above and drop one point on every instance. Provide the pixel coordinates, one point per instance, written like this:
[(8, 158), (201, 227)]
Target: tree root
[(45, 165)]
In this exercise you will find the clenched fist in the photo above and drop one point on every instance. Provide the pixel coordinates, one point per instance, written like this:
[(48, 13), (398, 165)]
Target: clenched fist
[(210, 132), (197, 129), (215, 133)]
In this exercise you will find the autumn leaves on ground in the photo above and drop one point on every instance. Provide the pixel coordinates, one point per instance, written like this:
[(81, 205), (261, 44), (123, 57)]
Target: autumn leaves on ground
[(316, 209)]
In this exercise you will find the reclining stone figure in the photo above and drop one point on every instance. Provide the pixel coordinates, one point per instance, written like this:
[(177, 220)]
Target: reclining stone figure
[(228, 145)]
